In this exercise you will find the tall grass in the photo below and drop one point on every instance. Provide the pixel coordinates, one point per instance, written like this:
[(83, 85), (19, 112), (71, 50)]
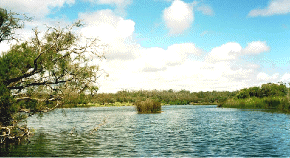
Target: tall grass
[(280, 103), (148, 106)]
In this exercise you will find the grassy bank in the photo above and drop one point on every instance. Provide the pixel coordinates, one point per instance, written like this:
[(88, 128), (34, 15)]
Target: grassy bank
[(268, 96), (275, 103)]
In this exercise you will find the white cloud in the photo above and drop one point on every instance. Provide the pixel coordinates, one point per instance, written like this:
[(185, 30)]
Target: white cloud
[(256, 47), (106, 25), (206, 10), (171, 68), (4, 46), (118, 34), (157, 59), (120, 4), (37, 8), (232, 51), (226, 52), (286, 77), (132, 67), (275, 7), (112, 30), (178, 17), (187, 48), (267, 78)]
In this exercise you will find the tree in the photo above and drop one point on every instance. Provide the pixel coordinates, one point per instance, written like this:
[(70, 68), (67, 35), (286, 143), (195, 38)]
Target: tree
[(47, 69), (266, 90), (9, 22)]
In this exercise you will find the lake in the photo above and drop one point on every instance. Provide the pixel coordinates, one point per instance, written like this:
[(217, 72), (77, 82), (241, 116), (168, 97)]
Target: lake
[(182, 130)]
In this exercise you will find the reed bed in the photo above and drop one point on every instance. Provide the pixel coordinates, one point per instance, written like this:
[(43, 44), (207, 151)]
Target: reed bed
[(148, 106)]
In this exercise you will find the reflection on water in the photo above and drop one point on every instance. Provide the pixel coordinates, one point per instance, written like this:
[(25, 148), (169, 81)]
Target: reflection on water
[(178, 131)]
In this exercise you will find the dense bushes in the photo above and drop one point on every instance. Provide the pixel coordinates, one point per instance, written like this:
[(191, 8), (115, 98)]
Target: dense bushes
[(268, 96), (279, 103), (265, 90), (148, 106)]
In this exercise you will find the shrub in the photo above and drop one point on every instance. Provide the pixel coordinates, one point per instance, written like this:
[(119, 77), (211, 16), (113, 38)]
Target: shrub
[(279, 103), (266, 90), (148, 106), (272, 102)]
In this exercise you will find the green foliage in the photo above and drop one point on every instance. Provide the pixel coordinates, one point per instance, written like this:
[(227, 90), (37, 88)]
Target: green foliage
[(74, 99), (266, 90), (39, 73), (33, 105), (17, 61), (9, 22), (276, 103), (271, 89), (243, 94), (7, 106), (268, 96), (148, 106), (171, 97)]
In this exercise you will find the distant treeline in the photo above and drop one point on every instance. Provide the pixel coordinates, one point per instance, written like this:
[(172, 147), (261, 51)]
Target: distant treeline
[(166, 97), (266, 96)]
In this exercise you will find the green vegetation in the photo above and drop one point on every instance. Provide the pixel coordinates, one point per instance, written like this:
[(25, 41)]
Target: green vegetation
[(9, 22), (165, 97), (268, 96), (148, 106), (40, 74)]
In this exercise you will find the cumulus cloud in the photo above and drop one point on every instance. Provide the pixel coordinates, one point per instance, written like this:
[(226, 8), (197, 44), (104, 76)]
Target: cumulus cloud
[(267, 78), (186, 48), (172, 68), (178, 17), (226, 52), (275, 7), (154, 68), (37, 8), (158, 59), (232, 51), (112, 30), (285, 77), (256, 47), (120, 4), (107, 25)]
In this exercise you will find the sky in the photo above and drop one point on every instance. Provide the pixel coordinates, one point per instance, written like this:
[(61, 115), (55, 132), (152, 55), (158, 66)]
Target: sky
[(202, 45)]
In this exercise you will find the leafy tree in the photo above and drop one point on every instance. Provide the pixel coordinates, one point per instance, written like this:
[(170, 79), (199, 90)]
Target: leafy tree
[(265, 90), (271, 89), (46, 69)]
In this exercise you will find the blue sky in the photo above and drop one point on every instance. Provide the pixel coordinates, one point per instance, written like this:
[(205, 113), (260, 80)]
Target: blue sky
[(178, 44)]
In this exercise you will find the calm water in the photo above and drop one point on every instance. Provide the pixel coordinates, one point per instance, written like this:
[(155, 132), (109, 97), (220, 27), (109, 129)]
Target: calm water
[(178, 131)]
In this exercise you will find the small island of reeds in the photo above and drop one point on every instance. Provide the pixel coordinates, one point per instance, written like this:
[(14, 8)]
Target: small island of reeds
[(148, 106)]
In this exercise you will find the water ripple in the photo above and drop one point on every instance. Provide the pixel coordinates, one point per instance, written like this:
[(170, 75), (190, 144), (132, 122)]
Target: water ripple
[(185, 131)]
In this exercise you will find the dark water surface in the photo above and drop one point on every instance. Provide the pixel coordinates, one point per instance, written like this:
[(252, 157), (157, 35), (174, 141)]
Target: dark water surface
[(178, 131)]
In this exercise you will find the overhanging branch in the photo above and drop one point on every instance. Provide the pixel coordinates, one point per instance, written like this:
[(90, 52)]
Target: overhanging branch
[(37, 84)]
